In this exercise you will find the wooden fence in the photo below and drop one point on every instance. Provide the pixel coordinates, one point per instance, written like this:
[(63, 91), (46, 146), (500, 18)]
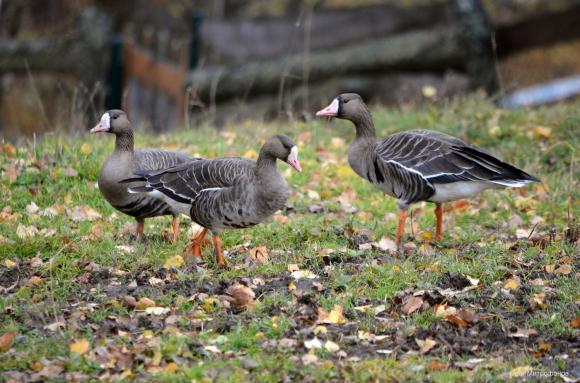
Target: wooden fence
[(156, 73)]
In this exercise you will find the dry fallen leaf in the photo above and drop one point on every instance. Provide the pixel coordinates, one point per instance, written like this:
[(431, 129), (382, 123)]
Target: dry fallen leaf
[(173, 262), (575, 323), (542, 131), (523, 333), (259, 254), (335, 315), (331, 346), (23, 231), (9, 263), (156, 310), (6, 341), (565, 269), (303, 274), (443, 311), (80, 346), (512, 283), (425, 345), (243, 296), (143, 303), (411, 304), (313, 344), (436, 365)]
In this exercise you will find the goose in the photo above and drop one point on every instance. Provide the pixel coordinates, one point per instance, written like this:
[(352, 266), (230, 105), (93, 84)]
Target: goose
[(420, 165), (224, 193), (123, 163)]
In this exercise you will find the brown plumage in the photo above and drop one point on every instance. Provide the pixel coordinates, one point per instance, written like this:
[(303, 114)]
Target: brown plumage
[(420, 165), (124, 162)]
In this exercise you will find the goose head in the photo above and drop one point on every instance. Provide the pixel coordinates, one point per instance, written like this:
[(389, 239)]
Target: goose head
[(347, 106), (113, 121), (283, 148)]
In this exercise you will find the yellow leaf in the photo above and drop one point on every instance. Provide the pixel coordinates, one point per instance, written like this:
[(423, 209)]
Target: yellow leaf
[(443, 311), (9, 263), (426, 235), (86, 149), (9, 150), (291, 286), (293, 267), (171, 367), (173, 262), (542, 131), (512, 283), (80, 346), (550, 268), (335, 316)]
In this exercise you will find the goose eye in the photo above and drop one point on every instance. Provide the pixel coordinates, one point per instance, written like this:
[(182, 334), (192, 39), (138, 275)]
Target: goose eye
[(345, 101), (115, 117)]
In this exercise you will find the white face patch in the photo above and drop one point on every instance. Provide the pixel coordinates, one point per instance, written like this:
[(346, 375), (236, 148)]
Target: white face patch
[(106, 121), (293, 154), (333, 107), (331, 110)]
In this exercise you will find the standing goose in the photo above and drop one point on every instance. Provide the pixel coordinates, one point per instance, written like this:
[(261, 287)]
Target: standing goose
[(420, 165), (124, 162), (224, 193)]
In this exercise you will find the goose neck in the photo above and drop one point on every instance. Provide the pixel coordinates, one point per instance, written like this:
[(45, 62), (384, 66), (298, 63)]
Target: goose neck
[(124, 142)]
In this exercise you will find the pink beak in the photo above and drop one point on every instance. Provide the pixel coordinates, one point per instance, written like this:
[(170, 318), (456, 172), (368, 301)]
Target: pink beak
[(99, 128), (330, 111), (293, 159), (296, 165)]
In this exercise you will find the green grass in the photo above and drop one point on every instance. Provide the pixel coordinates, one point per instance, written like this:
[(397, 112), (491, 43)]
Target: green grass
[(83, 275)]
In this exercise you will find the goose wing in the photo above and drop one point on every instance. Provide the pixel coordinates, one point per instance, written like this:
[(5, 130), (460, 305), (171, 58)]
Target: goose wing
[(440, 159), (185, 181)]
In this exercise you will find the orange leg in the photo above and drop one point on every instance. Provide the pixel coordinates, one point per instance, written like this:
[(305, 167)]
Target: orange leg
[(401, 227), (193, 247), (439, 216), (219, 256), (175, 225), (140, 228)]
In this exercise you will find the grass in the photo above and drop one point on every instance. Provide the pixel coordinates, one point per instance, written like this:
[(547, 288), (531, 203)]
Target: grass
[(74, 272)]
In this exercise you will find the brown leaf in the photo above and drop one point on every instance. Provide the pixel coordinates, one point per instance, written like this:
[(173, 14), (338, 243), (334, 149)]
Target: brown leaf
[(425, 345), (130, 301), (144, 303), (436, 365), (6, 341), (456, 321), (411, 304), (243, 296), (565, 269), (468, 315), (259, 254), (9, 150), (575, 323)]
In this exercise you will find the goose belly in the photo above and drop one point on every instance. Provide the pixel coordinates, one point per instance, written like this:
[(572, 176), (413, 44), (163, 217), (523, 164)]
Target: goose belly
[(458, 190), (179, 207)]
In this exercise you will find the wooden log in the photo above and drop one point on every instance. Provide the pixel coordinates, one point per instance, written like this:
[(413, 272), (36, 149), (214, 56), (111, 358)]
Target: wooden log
[(269, 38), (430, 49), (84, 54)]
